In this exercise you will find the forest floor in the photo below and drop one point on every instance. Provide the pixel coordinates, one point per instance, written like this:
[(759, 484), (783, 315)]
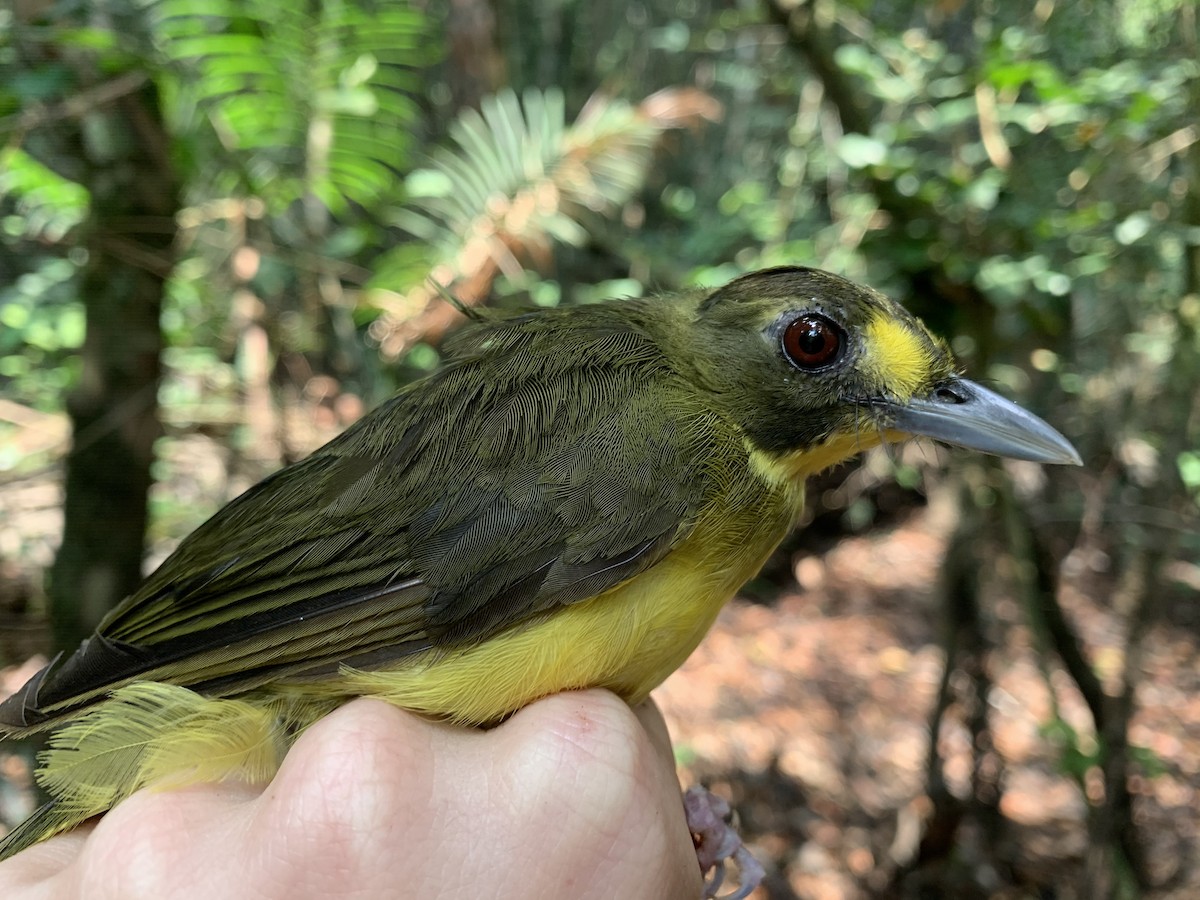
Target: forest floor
[(812, 713)]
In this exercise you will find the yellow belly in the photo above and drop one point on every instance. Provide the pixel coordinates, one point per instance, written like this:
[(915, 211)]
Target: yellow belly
[(628, 639)]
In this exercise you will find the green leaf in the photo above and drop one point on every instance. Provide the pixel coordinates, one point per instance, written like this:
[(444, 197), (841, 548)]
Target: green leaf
[(859, 151), (1133, 228), (265, 72)]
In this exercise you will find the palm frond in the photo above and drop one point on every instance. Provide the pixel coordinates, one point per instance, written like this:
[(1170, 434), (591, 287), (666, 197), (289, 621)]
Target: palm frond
[(516, 179), (317, 98)]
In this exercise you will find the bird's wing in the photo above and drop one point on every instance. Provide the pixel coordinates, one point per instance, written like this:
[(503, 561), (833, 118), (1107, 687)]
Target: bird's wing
[(482, 500)]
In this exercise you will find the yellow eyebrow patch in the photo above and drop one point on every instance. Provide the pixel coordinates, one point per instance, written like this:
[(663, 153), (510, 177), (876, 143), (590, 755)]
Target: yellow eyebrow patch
[(897, 357)]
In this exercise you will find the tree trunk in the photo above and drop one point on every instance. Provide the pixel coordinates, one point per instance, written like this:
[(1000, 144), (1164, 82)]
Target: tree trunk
[(114, 408)]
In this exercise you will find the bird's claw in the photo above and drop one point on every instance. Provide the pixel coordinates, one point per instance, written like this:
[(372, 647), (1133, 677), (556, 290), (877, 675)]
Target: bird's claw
[(708, 817)]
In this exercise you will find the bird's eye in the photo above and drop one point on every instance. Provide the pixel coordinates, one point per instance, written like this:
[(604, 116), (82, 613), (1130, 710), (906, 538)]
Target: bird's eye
[(812, 342)]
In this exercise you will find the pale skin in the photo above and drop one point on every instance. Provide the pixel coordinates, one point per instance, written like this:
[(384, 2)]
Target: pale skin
[(575, 796)]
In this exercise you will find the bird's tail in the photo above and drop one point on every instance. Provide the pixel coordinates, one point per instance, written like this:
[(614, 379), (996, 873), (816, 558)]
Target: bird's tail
[(46, 822), (148, 733)]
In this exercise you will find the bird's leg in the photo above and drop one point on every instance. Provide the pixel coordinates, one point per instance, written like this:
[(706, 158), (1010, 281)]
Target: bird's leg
[(708, 817)]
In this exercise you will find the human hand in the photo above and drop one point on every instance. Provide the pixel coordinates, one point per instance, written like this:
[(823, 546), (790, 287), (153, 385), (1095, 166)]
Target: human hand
[(573, 797)]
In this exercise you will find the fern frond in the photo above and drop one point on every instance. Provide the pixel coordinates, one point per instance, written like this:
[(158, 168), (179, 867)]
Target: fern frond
[(516, 179), (317, 97)]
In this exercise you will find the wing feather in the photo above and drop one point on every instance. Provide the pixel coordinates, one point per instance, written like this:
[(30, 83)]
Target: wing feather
[(539, 470)]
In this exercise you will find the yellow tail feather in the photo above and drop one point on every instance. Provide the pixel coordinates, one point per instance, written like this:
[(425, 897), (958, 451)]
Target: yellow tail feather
[(47, 821), (148, 734)]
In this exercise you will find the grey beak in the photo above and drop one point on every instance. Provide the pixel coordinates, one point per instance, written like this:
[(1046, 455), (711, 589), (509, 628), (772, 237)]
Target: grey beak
[(966, 414)]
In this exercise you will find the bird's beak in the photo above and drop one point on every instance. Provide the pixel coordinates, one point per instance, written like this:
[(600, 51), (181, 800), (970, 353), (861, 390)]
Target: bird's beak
[(966, 414)]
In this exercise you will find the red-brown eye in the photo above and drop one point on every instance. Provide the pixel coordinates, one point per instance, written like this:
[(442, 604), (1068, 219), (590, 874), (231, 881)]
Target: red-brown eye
[(812, 342)]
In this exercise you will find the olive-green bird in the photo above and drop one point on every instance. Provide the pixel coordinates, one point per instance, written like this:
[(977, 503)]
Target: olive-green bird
[(566, 504)]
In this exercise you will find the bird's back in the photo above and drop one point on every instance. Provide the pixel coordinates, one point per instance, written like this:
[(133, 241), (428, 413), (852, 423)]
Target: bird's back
[(559, 457)]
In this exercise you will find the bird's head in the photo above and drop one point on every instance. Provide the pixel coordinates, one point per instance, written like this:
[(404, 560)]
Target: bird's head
[(816, 368)]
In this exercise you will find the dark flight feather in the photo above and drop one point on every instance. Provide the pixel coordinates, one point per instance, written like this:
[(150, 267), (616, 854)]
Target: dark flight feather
[(560, 477)]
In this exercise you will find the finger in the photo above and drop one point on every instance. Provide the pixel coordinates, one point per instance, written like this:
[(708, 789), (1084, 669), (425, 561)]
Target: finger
[(38, 872), (652, 720), (355, 803), (609, 782), (173, 842)]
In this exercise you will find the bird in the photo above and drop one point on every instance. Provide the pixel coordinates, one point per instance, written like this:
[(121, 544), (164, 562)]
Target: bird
[(566, 503)]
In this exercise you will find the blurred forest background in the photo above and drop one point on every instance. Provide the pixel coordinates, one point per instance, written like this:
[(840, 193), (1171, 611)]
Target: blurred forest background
[(220, 226)]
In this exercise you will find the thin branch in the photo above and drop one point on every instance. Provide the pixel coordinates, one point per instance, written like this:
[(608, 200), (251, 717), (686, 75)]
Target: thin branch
[(73, 107)]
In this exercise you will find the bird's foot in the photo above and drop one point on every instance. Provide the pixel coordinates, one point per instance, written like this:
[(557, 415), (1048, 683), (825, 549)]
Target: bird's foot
[(708, 817)]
